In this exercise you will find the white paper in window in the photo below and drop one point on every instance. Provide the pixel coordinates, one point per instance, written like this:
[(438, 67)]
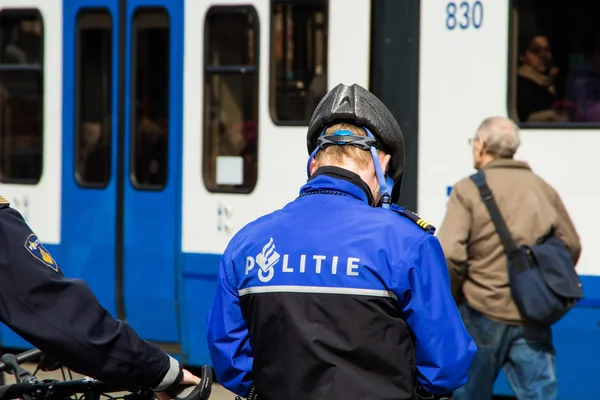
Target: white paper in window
[(230, 170)]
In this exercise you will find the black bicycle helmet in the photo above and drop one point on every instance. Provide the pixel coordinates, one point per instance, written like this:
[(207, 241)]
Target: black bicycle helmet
[(356, 105)]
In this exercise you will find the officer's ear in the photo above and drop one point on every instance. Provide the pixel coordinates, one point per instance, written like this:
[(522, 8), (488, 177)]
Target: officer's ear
[(313, 166), (384, 160)]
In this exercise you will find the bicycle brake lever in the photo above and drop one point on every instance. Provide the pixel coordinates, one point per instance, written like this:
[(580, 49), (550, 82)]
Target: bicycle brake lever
[(21, 375), (201, 391)]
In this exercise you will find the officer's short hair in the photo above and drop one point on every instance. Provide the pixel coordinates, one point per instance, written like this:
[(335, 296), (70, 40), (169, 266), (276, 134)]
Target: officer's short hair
[(333, 155), (500, 136)]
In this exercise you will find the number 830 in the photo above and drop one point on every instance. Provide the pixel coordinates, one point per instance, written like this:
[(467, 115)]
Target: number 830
[(464, 15)]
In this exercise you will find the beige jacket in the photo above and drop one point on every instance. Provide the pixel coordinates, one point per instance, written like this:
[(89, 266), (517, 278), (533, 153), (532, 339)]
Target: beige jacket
[(475, 256)]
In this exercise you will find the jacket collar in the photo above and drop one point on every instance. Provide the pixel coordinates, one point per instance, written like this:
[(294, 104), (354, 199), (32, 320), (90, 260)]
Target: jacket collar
[(506, 163), (339, 180)]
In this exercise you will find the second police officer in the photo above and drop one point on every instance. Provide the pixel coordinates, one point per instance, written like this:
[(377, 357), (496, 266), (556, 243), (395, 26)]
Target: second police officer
[(341, 294), (63, 318)]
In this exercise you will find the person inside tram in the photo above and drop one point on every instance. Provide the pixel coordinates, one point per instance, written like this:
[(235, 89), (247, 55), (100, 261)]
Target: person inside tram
[(536, 75)]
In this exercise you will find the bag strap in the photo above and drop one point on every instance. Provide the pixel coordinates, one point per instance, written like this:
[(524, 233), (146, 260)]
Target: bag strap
[(488, 199)]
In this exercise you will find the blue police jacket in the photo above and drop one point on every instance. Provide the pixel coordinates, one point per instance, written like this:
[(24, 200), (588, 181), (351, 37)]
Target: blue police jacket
[(330, 297)]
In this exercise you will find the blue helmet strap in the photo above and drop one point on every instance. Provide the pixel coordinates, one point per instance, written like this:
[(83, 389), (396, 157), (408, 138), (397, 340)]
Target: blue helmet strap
[(345, 137)]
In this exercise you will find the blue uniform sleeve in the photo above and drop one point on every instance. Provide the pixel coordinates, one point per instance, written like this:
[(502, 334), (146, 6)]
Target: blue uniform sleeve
[(444, 348), (227, 335)]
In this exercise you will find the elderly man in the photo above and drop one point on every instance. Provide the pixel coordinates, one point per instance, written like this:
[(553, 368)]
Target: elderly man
[(478, 265)]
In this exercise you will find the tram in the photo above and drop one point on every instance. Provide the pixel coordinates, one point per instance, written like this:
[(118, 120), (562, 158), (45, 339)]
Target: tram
[(137, 136)]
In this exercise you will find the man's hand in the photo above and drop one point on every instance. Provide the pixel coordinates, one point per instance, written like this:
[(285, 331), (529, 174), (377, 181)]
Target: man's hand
[(188, 379)]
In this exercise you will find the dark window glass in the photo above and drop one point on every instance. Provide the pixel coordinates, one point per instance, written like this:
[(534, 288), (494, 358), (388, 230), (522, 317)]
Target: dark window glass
[(230, 138), (298, 59), (21, 96), (555, 67), (150, 99), (94, 98)]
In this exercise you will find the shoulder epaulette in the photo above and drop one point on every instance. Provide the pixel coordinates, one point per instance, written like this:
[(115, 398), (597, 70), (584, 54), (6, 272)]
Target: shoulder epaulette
[(3, 202), (427, 227)]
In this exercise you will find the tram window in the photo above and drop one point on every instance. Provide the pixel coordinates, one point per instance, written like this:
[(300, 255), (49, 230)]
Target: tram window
[(94, 98), (298, 59), (150, 99), (230, 138), (555, 67), (21, 96)]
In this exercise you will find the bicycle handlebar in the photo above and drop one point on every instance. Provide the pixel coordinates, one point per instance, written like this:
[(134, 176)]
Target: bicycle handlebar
[(42, 389), (21, 358), (32, 388)]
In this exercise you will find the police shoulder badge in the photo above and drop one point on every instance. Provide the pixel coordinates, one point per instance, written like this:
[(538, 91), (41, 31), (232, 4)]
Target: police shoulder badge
[(427, 227), (35, 247), (414, 217)]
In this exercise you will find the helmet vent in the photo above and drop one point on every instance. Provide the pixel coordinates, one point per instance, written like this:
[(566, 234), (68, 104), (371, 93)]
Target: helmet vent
[(345, 105)]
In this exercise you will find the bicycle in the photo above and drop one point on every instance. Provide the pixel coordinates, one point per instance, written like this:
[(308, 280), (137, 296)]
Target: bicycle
[(28, 387)]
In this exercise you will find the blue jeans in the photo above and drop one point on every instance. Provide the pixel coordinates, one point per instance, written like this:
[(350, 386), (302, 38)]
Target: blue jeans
[(526, 354)]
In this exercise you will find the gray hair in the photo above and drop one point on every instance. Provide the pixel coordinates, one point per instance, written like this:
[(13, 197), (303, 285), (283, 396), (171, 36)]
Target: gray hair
[(500, 135)]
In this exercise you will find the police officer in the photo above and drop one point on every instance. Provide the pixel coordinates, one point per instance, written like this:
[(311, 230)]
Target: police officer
[(62, 317), (341, 294)]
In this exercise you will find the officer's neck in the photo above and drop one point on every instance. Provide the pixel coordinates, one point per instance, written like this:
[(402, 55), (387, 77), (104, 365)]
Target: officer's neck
[(347, 175), (367, 176)]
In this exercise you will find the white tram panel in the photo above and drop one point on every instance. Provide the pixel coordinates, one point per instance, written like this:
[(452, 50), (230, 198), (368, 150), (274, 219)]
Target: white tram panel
[(41, 204), (282, 150), (463, 78)]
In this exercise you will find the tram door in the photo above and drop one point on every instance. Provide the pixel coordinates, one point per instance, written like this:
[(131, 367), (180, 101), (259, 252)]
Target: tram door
[(122, 157)]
